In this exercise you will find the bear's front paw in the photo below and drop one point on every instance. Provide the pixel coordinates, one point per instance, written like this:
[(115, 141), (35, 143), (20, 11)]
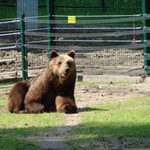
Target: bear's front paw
[(68, 109), (34, 108)]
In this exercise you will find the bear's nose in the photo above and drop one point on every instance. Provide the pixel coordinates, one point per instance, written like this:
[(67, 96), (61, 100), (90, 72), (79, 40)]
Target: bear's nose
[(67, 70)]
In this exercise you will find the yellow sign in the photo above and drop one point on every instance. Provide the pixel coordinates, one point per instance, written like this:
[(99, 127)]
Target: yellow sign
[(72, 19)]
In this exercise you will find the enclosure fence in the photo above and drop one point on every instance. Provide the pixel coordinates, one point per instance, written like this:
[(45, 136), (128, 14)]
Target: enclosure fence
[(104, 44)]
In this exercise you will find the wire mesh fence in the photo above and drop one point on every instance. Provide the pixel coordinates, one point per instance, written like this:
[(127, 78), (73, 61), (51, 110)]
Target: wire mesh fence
[(10, 55)]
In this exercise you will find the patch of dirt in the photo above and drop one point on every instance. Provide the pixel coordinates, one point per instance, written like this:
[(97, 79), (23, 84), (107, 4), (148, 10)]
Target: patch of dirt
[(121, 61)]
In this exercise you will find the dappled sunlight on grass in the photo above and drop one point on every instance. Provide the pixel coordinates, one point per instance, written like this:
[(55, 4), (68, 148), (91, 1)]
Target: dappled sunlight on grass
[(114, 123), (16, 128)]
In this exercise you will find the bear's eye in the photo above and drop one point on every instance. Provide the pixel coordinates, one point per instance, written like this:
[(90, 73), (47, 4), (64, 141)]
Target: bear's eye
[(69, 63), (59, 63)]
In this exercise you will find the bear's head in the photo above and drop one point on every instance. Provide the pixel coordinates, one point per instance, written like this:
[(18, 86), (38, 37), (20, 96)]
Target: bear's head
[(62, 65)]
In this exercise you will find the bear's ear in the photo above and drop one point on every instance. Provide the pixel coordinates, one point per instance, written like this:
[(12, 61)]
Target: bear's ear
[(71, 53), (53, 54)]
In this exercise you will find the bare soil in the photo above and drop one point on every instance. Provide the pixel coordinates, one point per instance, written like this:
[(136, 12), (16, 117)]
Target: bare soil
[(122, 61)]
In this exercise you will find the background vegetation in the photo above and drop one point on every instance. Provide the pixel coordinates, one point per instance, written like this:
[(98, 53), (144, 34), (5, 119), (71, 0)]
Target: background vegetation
[(8, 8)]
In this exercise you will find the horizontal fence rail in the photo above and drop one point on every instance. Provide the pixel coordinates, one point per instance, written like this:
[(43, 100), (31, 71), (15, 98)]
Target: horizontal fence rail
[(87, 49), (136, 31), (96, 39)]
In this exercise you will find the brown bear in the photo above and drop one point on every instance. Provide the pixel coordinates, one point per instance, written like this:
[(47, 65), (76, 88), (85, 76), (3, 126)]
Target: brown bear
[(53, 90), (17, 95)]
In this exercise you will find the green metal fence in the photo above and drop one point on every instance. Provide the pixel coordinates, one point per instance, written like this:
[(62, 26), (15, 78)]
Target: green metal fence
[(107, 35)]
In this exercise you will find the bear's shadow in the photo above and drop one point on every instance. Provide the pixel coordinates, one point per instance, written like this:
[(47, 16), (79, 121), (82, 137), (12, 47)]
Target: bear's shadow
[(88, 109)]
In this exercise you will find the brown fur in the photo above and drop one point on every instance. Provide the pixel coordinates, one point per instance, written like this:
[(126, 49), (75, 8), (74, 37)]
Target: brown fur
[(65, 104), (16, 96), (39, 94)]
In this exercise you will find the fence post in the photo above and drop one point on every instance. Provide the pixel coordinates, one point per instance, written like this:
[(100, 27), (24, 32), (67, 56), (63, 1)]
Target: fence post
[(49, 30), (146, 23), (23, 50), (50, 12)]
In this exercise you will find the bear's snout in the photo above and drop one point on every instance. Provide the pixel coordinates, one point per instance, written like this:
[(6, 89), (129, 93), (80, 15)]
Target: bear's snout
[(67, 70)]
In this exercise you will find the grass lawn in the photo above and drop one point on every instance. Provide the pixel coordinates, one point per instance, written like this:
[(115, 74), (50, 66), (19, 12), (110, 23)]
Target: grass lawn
[(114, 124), (20, 131), (123, 124)]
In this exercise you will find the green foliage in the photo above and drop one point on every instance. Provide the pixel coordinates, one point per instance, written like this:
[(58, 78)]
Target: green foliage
[(78, 7), (97, 7), (8, 12)]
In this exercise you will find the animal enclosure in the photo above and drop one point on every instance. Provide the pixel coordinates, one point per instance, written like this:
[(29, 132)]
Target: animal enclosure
[(107, 36)]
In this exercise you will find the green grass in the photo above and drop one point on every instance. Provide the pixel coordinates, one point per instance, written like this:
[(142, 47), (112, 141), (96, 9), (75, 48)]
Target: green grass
[(20, 131), (124, 124), (7, 85), (108, 81), (86, 83), (114, 124)]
